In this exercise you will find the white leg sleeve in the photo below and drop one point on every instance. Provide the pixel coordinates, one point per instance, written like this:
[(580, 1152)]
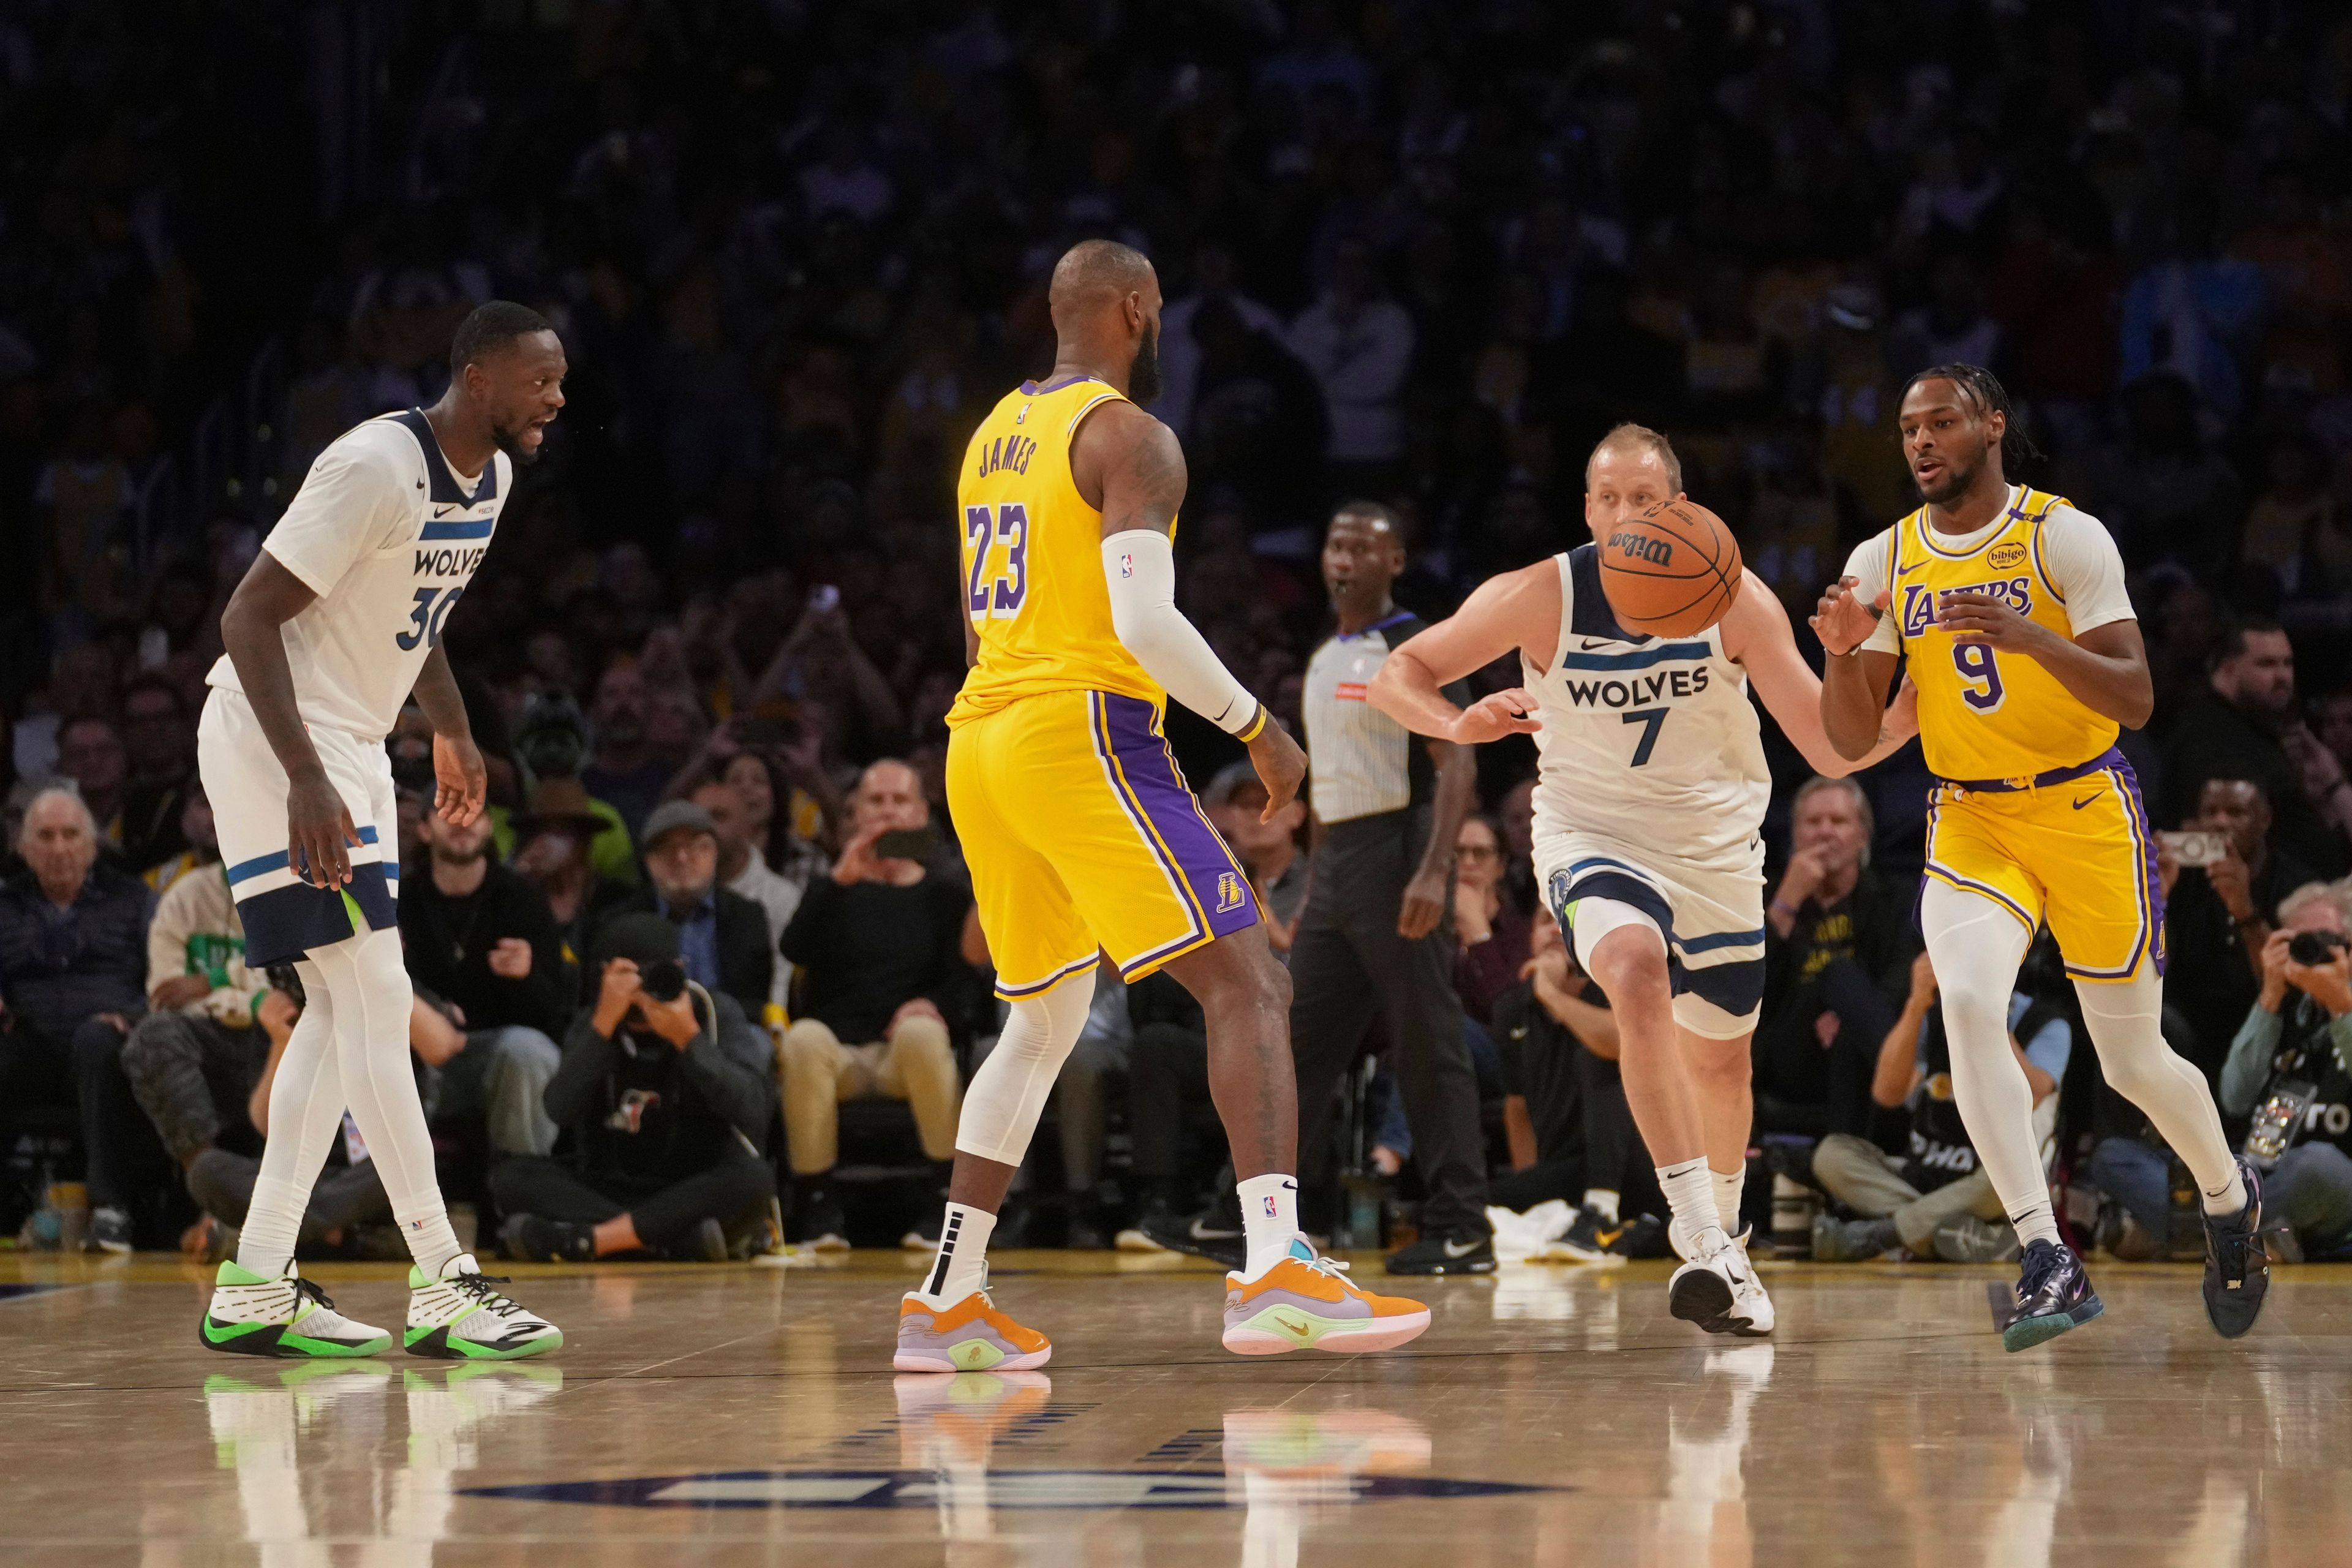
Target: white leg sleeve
[(1976, 946), (306, 1108), (2125, 1019), (1005, 1096), (372, 997)]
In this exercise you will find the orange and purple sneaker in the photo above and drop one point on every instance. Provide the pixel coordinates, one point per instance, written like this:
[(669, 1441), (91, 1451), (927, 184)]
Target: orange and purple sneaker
[(1303, 1302), (970, 1335)]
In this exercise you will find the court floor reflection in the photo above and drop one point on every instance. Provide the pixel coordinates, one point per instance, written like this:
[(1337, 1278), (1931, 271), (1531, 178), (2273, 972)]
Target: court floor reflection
[(1552, 1415)]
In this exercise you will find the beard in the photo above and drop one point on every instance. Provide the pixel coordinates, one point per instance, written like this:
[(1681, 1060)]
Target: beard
[(510, 443), (1143, 384), (1955, 483)]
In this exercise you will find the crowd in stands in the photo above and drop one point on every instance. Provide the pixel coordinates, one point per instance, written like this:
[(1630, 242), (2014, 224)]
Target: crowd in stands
[(1420, 253)]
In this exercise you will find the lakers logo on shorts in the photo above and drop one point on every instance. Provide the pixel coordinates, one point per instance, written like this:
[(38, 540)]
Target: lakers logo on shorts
[(1230, 893)]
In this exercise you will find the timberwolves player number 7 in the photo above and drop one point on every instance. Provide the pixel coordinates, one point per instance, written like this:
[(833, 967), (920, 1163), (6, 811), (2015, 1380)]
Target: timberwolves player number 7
[(338, 620)]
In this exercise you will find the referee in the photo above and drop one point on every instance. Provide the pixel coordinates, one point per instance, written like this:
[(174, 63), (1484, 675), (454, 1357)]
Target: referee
[(1376, 936)]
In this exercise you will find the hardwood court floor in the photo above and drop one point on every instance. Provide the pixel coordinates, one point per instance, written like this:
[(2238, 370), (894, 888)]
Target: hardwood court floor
[(1550, 1418)]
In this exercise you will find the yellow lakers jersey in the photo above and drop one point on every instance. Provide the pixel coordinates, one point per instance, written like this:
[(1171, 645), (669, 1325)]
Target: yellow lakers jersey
[(1032, 576), (1984, 714)]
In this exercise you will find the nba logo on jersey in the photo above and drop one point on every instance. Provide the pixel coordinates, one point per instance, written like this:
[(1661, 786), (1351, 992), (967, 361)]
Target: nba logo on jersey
[(1230, 896)]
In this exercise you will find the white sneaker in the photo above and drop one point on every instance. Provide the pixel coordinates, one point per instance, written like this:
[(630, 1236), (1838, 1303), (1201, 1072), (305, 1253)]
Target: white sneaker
[(254, 1314), (1718, 1290), (459, 1317)]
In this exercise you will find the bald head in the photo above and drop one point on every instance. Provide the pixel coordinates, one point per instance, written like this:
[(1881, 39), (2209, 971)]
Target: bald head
[(889, 794), (1105, 298)]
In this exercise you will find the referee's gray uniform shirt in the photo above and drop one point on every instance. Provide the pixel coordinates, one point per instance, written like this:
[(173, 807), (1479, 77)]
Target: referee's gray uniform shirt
[(1370, 784)]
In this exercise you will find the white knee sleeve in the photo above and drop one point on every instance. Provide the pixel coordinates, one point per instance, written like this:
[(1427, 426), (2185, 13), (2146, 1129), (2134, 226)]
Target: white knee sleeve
[(1002, 1104), (2126, 1022), (306, 1108), (1976, 946)]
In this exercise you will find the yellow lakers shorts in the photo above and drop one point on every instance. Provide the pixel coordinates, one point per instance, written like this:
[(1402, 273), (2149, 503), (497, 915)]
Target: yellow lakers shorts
[(2077, 853), (1081, 833)]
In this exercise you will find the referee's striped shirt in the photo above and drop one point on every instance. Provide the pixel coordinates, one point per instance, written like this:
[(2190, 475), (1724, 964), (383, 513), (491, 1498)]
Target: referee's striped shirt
[(1360, 761)]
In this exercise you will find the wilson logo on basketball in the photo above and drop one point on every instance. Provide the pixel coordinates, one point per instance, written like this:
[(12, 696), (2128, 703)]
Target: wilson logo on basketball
[(2006, 556), (1643, 547)]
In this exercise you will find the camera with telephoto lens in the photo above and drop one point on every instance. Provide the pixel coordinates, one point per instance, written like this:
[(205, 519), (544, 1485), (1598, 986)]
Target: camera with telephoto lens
[(664, 980), (2310, 947)]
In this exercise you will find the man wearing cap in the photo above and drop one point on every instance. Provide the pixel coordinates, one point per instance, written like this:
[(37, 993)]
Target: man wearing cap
[(722, 936), (664, 1085), (554, 848)]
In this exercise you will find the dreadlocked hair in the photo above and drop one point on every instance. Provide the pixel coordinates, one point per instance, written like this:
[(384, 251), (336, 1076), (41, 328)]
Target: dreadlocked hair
[(1983, 388)]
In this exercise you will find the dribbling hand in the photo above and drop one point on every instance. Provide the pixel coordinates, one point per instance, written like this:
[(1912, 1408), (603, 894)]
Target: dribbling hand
[(1510, 711), (1843, 622)]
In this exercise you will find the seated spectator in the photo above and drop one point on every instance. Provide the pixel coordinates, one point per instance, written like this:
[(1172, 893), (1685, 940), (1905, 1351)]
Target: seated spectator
[(199, 838), (1268, 851), (626, 771), (742, 870), (1543, 1096), (2217, 917), (348, 1199), (721, 935), (551, 737), (90, 755), (161, 747), (1491, 932), (73, 971), (1835, 940), (881, 941), (2288, 1062), (2232, 730), (1935, 1200), (552, 855), (194, 1059), (478, 937), (667, 1099)]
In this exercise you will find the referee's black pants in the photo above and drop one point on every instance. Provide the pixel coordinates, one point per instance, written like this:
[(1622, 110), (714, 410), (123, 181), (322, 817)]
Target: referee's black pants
[(1347, 964)]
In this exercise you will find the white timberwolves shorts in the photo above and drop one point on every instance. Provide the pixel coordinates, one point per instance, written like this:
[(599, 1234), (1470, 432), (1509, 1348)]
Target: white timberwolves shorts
[(1712, 918), (284, 916)]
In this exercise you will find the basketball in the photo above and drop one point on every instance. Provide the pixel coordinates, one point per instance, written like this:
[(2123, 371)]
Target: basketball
[(1671, 571)]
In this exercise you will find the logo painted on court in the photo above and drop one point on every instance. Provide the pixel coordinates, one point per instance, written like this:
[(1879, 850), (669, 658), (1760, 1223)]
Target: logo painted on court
[(1102, 1489), (1231, 894)]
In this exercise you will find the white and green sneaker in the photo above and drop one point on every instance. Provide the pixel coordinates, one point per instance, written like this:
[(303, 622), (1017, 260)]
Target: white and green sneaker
[(457, 1317), (253, 1314)]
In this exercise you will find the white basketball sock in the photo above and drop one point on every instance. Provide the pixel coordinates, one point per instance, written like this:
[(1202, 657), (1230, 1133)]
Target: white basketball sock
[(961, 1266), (1727, 1193), (1269, 1220), (1690, 1195), (1601, 1201)]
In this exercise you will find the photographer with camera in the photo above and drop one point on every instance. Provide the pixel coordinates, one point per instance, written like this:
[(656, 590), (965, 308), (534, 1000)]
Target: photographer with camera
[(665, 1085), (2288, 1067), (2223, 878)]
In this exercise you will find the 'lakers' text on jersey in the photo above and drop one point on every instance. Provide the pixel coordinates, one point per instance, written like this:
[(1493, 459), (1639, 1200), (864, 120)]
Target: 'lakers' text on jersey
[(1080, 829), (387, 538)]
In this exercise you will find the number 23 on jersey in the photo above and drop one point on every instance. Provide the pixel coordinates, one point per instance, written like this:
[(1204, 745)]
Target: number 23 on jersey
[(996, 563)]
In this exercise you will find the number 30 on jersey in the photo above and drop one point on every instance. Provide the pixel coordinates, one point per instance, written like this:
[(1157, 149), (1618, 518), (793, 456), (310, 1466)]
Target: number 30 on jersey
[(996, 581)]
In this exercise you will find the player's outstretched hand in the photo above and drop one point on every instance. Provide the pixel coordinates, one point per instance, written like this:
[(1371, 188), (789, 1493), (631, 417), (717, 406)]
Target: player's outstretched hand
[(1506, 712), (319, 831), (461, 782), (1843, 622), (1281, 766)]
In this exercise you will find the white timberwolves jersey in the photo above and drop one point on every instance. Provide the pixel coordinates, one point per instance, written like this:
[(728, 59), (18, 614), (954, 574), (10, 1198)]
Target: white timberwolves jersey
[(1650, 742), (387, 538)]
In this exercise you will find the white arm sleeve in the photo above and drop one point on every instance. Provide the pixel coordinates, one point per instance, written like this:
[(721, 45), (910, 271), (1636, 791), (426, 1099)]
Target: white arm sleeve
[(1139, 566)]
